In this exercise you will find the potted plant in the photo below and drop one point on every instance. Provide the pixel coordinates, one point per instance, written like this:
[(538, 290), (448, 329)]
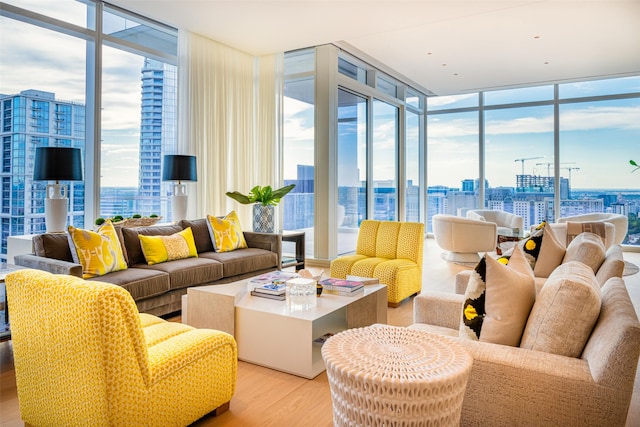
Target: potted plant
[(263, 200)]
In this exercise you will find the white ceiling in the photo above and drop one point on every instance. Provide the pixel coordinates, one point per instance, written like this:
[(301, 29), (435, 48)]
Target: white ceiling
[(445, 46)]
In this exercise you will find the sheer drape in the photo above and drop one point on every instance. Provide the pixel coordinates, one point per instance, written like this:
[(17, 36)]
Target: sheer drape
[(228, 117)]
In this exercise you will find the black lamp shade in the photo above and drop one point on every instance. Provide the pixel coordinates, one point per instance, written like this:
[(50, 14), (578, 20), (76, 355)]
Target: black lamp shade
[(57, 164), (179, 168)]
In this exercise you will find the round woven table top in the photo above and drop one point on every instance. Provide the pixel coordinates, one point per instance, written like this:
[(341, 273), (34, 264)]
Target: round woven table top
[(393, 353)]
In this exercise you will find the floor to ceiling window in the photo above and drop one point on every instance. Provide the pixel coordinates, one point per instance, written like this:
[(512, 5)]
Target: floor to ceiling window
[(42, 104), (597, 139), (384, 161), (596, 131), (49, 53), (352, 167), (412, 153), (298, 140), (518, 146), (139, 118), (452, 160), (374, 135)]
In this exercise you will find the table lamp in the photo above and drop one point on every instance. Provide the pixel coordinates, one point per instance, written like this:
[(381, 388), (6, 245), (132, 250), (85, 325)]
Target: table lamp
[(57, 164), (179, 168)]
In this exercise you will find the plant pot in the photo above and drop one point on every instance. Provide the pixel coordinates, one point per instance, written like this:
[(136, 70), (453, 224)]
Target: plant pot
[(262, 218)]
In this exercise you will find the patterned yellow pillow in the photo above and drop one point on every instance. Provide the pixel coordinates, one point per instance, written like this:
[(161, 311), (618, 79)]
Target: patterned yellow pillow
[(98, 252), (226, 234), (159, 249)]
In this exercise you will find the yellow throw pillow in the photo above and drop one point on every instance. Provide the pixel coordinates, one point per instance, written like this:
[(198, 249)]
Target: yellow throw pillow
[(157, 249), (98, 252), (226, 234)]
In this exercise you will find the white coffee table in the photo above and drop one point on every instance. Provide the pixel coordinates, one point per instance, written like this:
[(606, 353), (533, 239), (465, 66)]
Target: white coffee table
[(270, 334)]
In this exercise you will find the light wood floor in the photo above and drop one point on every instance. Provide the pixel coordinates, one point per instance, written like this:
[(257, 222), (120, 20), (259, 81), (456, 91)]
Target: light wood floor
[(269, 398)]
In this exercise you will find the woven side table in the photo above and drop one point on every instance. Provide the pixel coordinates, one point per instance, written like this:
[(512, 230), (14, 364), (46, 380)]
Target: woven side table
[(391, 376)]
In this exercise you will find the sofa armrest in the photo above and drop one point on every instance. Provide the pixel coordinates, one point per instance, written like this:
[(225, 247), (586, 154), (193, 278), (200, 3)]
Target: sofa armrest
[(438, 308), (51, 265), (462, 281), (267, 241)]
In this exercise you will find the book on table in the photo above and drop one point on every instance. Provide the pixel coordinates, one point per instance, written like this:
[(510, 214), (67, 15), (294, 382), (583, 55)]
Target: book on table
[(342, 286), (364, 280), (271, 288), (281, 297), (280, 276)]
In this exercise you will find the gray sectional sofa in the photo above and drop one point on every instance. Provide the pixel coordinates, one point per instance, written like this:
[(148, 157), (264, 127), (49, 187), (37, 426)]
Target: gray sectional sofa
[(157, 289)]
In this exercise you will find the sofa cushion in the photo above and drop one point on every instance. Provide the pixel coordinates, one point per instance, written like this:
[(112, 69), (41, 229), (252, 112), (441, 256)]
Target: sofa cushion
[(226, 233), (52, 245), (587, 248), (132, 241), (141, 283), (188, 272), (498, 300), (243, 261), (99, 252), (200, 233), (613, 265), (564, 312), (157, 249)]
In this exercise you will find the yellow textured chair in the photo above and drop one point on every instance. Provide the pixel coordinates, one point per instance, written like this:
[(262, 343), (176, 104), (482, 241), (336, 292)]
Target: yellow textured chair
[(84, 356), (389, 251)]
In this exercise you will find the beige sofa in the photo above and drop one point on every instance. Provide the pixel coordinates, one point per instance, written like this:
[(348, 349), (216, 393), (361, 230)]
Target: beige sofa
[(523, 385), (157, 289)]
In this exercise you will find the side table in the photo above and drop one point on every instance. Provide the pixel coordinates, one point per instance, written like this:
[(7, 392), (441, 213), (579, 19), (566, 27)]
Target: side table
[(296, 237), (387, 375)]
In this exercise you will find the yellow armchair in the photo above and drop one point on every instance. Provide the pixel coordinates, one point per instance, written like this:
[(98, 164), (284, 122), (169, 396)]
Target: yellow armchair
[(389, 251), (84, 356)]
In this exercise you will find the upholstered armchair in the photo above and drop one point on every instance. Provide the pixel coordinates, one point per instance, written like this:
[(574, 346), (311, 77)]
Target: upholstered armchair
[(505, 221), (389, 251), (620, 222), (84, 356), (463, 238)]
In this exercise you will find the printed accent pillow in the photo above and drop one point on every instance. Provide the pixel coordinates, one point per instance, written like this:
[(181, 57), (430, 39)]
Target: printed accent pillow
[(226, 234), (99, 252), (574, 229), (543, 250), (498, 300), (158, 249)]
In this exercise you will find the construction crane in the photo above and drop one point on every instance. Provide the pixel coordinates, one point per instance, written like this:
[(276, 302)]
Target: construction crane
[(522, 160), (570, 169), (550, 163)]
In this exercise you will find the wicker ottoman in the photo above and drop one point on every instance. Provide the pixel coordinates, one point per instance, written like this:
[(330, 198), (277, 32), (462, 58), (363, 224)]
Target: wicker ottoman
[(391, 376)]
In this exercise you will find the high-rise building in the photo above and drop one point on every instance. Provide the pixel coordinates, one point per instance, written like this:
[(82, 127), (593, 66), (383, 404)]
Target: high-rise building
[(158, 135), (30, 119)]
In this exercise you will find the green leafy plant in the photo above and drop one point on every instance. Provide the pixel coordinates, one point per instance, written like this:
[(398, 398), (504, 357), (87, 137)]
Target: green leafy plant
[(633, 163), (266, 196)]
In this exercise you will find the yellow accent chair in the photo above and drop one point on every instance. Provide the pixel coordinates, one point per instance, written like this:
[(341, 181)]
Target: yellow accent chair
[(84, 356), (389, 251)]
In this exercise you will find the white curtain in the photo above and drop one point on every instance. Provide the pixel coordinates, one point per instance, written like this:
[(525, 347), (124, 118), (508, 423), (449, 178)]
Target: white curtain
[(229, 118)]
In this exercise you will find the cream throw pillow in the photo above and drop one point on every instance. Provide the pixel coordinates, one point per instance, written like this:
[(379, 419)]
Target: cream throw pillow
[(587, 248), (498, 300), (565, 311)]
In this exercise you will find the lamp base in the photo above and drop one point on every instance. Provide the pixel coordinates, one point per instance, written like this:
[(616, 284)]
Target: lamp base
[(178, 207), (55, 214)]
